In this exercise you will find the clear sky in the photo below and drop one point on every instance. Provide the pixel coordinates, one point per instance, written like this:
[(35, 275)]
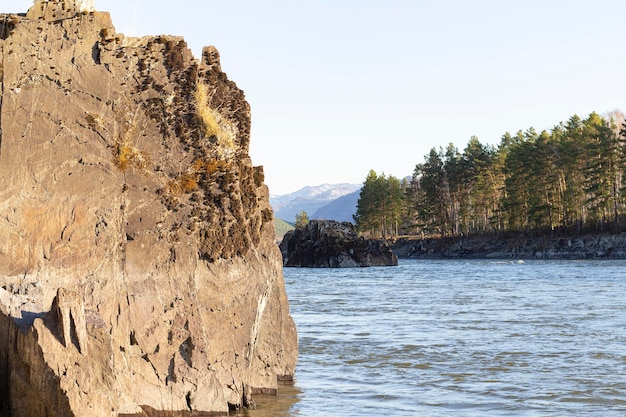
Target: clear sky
[(339, 87)]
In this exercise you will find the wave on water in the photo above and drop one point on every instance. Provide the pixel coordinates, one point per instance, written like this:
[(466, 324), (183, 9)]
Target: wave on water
[(460, 338)]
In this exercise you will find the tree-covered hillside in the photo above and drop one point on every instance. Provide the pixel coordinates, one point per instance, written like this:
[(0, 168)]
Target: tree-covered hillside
[(567, 179), (281, 227)]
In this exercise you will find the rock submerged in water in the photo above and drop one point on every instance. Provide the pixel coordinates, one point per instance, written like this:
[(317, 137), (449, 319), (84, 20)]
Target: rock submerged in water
[(138, 269), (331, 244)]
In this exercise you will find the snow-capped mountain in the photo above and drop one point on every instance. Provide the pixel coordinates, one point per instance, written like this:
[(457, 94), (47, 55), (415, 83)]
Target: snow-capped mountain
[(342, 209), (310, 199)]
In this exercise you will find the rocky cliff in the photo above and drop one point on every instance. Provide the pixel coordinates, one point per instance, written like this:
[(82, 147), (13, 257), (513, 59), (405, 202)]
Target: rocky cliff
[(138, 269), (331, 244)]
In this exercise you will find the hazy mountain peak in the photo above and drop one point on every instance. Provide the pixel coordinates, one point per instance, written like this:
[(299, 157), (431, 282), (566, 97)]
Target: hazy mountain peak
[(309, 199)]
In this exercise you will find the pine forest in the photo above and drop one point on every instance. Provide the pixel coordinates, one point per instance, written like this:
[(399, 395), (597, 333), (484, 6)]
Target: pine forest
[(565, 181)]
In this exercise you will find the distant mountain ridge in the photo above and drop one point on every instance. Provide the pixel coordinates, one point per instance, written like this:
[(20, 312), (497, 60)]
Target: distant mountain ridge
[(342, 209), (312, 199)]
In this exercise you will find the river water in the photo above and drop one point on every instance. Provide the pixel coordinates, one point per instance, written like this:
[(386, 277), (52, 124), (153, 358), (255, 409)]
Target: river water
[(458, 338)]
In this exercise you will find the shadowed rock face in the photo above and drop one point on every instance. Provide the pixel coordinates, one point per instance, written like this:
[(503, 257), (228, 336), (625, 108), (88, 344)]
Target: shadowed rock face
[(331, 244), (519, 247), (137, 264)]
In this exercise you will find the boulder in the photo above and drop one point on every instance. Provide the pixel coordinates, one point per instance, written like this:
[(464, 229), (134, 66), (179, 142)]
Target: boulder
[(138, 269), (331, 244)]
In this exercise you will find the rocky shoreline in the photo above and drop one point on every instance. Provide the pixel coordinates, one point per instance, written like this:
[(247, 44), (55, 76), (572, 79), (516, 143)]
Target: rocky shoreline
[(604, 246)]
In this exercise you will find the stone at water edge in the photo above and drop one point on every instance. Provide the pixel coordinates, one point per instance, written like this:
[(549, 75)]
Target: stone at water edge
[(138, 262)]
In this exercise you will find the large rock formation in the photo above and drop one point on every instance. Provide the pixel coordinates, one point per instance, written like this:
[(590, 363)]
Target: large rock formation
[(331, 244), (138, 268)]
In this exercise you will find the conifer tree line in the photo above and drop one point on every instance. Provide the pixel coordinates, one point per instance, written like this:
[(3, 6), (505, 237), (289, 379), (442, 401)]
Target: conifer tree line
[(567, 180)]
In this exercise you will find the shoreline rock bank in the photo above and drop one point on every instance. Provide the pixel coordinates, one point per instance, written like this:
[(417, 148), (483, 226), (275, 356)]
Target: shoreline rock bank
[(331, 244), (609, 246)]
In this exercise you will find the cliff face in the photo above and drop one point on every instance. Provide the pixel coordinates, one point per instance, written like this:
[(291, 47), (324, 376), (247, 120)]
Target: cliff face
[(137, 263)]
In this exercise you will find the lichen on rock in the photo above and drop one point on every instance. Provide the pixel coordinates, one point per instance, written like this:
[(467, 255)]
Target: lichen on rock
[(138, 269)]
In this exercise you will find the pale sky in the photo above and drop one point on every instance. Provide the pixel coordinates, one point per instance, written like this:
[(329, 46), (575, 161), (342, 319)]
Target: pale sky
[(339, 87)]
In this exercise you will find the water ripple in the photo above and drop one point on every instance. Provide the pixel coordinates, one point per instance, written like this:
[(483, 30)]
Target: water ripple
[(461, 338)]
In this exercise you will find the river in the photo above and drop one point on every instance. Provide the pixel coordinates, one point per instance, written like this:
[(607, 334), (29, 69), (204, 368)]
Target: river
[(458, 338)]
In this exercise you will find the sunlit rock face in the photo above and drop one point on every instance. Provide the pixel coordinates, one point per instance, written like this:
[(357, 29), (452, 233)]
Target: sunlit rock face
[(138, 269)]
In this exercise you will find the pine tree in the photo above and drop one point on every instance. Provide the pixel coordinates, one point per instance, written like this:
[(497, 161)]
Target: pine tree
[(302, 219), (573, 149), (380, 206), (602, 170), (433, 200), (366, 217)]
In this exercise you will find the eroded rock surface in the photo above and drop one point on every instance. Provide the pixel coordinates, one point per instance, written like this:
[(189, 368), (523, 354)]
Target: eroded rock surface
[(332, 244), (137, 264)]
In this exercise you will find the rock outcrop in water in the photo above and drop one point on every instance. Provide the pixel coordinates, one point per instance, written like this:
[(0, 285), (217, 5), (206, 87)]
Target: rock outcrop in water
[(138, 269), (331, 244)]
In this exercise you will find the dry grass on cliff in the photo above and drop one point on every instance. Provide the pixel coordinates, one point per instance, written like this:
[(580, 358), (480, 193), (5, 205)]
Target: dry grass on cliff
[(188, 182), (129, 123), (94, 121), (126, 153), (210, 167), (185, 183), (126, 156), (214, 124)]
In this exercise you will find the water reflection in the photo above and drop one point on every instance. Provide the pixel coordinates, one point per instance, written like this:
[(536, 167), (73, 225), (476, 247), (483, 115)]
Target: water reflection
[(281, 405)]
